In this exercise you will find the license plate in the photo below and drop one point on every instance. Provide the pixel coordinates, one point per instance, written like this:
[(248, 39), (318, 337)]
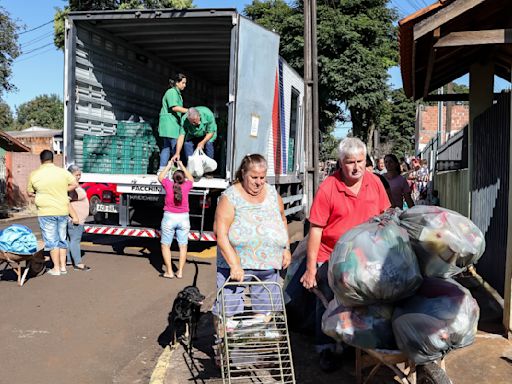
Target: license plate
[(108, 208)]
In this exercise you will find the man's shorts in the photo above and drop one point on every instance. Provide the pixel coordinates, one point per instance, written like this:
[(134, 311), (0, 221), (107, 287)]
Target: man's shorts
[(172, 223), (264, 298), (53, 231)]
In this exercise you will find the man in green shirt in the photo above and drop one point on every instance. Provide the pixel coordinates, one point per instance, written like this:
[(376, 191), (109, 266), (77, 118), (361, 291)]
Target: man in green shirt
[(199, 129), (50, 185)]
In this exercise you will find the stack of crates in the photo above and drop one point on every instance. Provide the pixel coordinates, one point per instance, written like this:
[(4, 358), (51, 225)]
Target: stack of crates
[(132, 150)]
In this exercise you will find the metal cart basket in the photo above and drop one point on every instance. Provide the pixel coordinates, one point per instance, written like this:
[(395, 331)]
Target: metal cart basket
[(253, 343)]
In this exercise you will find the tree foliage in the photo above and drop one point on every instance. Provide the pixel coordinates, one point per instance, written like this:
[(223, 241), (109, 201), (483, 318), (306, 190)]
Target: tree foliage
[(397, 123), (6, 118), (9, 50), (328, 145), (357, 44), (98, 5), (45, 111)]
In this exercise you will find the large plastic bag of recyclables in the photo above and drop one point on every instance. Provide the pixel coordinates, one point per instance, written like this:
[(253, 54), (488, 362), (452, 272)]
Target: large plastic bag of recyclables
[(444, 241), (442, 315), (374, 263), (363, 327)]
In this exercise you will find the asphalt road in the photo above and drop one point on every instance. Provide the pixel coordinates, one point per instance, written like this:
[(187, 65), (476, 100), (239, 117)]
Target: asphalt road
[(96, 327)]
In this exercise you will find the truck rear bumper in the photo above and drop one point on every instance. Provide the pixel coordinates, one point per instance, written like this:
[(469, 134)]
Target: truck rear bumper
[(150, 233)]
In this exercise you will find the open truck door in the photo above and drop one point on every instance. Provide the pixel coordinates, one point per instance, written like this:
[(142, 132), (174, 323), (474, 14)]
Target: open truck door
[(253, 84)]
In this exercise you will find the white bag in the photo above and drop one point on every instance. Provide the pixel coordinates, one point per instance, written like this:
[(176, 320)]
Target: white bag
[(209, 165), (195, 164), (199, 163)]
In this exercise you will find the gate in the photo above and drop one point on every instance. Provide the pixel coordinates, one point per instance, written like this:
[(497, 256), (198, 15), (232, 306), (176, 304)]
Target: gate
[(489, 187)]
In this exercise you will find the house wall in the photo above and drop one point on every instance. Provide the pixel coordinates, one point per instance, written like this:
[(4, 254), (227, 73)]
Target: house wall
[(18, 168), (37, 144), (427, 127)]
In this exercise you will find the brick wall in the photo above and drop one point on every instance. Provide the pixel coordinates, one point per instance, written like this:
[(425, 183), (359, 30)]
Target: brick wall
[(428, 121), (37, 144), (19, 165)]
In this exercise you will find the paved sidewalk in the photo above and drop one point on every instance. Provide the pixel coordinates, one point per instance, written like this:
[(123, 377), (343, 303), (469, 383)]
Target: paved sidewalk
[(488, 360)]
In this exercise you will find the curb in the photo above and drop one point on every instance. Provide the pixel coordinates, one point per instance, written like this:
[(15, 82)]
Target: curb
[(160, 371)]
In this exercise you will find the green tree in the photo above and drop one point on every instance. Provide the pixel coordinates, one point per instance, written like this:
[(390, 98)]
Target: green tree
[(45, 111), (397, 124), (9, 50), (357, 43), (6, 118), (98, 5), (328, 145)]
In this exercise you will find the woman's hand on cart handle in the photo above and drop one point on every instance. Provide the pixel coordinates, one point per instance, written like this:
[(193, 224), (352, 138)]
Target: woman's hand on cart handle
[(308, 280), (287, 258), (236, 273)]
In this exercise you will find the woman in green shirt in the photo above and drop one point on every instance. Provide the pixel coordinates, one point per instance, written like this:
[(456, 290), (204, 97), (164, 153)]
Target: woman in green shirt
[(170, 118)]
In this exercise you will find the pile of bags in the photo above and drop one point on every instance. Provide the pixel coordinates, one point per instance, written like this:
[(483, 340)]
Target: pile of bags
[(18, 238), (392, 286)]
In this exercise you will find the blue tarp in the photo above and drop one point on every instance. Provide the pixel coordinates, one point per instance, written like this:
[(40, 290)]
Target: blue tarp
[(18, 238)]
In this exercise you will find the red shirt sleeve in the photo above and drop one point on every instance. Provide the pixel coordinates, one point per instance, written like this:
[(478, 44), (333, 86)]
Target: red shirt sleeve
[(167, 184), (320, 209)]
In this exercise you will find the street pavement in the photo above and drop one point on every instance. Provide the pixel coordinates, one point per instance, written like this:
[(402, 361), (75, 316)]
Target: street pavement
[(107, 325)]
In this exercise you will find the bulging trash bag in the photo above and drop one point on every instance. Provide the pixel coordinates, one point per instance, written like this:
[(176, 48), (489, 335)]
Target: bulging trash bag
[(444, 241), (363, 327), (18, 238), (442, 315), (373, 263)]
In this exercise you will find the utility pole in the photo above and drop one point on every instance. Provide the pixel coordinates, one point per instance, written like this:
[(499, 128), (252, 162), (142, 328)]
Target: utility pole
[(311, 114)]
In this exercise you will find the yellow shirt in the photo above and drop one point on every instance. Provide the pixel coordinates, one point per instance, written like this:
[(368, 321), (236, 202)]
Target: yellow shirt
[(50, 184)]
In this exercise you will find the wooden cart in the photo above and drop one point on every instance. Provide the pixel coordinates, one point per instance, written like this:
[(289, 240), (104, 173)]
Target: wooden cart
[(25, 265)]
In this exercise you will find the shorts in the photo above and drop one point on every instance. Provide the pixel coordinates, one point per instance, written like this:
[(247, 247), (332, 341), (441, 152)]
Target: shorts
[(53, 231), (264, 298), (172, 223)]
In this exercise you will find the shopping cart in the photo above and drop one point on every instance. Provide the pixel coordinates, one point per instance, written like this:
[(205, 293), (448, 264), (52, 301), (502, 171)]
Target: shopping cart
[(253, 343)]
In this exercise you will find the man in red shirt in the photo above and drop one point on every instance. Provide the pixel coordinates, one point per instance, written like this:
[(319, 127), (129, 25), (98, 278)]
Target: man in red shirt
[(347, 198)]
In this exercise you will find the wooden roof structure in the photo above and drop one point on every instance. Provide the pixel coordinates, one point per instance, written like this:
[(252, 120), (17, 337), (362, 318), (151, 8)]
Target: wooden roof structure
[(12, 144), (439, 43)]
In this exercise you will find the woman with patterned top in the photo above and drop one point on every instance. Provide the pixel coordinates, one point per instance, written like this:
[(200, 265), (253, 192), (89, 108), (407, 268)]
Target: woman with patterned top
[(252, 237)]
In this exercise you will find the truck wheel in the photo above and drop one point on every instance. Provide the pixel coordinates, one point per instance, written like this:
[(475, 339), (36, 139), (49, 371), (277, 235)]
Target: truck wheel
[(118, 248), (93, 201), (431, 373)]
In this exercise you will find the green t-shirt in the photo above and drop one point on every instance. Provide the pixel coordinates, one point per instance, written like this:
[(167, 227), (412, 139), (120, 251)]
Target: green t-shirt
[(207, 125), (169, 125), (50, 184)]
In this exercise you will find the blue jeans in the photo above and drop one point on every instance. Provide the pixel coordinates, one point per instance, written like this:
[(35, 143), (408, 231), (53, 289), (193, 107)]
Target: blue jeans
[(189, 145), (264, 298), (172, 223), (168, 148), (75, 236), (53, 231)]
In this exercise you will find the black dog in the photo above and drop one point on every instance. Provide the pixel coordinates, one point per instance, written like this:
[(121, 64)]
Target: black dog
[(184, 317)]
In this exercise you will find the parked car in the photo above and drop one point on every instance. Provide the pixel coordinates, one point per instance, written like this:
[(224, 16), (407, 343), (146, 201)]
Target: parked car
[(103, 198)]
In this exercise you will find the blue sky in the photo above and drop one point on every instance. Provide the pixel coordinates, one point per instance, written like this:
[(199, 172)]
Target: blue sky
[(40, 69)]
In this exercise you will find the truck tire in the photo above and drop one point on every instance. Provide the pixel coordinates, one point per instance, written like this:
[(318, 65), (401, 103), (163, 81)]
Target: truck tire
[(431, 373), (95, 199)]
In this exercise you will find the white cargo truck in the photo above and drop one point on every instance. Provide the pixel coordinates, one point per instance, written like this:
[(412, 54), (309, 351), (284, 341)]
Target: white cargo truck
[(117, 66)]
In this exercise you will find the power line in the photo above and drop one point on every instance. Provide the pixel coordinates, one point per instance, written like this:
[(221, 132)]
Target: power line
[(33, 29), (35, 49), (34, 55), (36, 37), (34, 41)]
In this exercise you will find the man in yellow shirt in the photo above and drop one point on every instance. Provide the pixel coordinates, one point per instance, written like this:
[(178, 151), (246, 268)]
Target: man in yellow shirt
[(49, 185)]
